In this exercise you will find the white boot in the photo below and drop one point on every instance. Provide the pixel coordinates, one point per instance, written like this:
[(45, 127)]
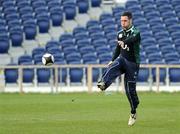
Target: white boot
[(132, 119)]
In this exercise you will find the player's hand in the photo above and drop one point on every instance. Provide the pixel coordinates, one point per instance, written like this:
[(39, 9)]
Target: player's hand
[(121, 43), (110, 63)]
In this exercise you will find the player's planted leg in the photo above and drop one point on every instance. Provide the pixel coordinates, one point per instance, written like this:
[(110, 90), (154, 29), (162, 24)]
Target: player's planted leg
[(133, 100), (132, 119)]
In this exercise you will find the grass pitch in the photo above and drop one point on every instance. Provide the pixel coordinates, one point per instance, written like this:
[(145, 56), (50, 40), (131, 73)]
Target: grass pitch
[(82, 113)]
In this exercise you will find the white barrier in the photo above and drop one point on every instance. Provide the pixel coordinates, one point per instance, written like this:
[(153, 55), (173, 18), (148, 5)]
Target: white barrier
[(89, 86)]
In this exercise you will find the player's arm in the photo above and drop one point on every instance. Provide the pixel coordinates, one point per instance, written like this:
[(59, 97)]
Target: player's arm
[(116, 52), (135, 37)]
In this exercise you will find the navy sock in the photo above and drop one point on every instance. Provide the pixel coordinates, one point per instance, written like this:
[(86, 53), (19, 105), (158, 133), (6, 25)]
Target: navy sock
[(133, 111)]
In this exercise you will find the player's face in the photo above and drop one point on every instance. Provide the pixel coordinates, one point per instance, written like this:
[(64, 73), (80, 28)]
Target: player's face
[(125, 22)]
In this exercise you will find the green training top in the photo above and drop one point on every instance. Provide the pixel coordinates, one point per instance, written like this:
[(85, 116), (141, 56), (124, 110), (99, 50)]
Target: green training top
[(131, 49)]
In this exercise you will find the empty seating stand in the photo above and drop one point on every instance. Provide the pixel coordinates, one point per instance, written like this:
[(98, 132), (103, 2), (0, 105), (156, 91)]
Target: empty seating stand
[(34, 27)]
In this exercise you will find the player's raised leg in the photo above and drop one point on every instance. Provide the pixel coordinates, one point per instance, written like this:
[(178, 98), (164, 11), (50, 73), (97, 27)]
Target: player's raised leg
[(112, 72)]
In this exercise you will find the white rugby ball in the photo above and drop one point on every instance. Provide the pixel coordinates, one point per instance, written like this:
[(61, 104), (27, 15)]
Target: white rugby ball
[(48, 59)]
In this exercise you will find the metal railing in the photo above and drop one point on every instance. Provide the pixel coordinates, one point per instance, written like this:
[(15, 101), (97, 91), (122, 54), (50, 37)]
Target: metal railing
[(89, 68)]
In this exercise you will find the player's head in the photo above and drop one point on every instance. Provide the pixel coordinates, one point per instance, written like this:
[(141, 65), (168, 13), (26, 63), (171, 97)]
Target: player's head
[(126, 20)]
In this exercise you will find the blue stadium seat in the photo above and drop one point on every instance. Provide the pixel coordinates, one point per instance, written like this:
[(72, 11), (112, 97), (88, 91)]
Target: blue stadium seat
[(11, 75), (28, 74), (110, 28), (106, 16), (103, 49), (43, 75), (57, 18), (134, 8), (16, 38), (152, 15), (95, 3), (4, 47), (118, 9), (30, 31), (143, 75), (38, 58), (69, 50), (131, 2), (43, 23), (97, 35), (149, 8), (177, 9), (52, 44), (162, 2), (79, 29), (171, 21), (80, 36), (92, 23), (66, 36), (53, 50), (73, 57), (67, 43), (26, 10), (87, 49), (165, 7), (111, 36), (174, 74), (62, 72), (83, 6), (76, 74), (175, 35), (24, 58), (95, 71), (58, 57), (53, 3), (88, 57), (37, 4), (37, 51), (94, 29), (70, 11), (175, 2), (160, 35), (162, 74)]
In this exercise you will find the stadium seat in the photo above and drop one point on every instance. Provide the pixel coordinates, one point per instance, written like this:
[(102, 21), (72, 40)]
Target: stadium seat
[(37, 51), (28, 74), (70, 11), (174, 74), (143, 75), (43, 75), (24, 58), (30, 31), (79, 29), (81, 36), (57, 18), (16, 38), (62, 72), (83, 6), (162, 74), (11, 75), (4, 47), (86, 49), (88, 57), (43, 23), (95, 71), (95, 3), (73, 57), (76, 74)]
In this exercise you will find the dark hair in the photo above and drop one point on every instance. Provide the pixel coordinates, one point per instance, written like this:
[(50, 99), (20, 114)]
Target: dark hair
[(128, 14)]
